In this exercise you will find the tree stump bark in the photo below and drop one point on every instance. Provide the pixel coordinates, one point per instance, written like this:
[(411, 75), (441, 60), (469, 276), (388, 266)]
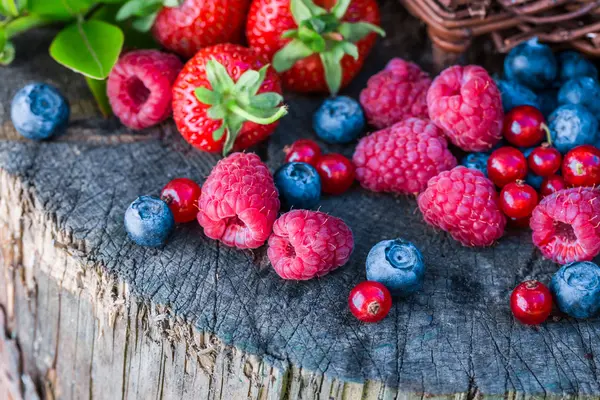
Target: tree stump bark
[(89, 315)]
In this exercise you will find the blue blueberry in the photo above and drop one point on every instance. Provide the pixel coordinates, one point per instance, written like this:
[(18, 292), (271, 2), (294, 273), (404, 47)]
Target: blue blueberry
[(514, 94), (576, 289), (149, 221), (531, 64), (398, 265), (573, 65), (339, 120), (476, 161), (39, 111), (548, 100), (584, 91), (299, 185), (572, 125), (534, 181)]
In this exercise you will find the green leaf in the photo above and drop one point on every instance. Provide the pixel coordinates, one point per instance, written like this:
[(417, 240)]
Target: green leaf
[(207, 96), (292, 52), (303, 10), (10, 8), (217, 112), (90, 48), (262, 73), (59, 9), (353, 32), (134, 39), (311, 39), (234, 125), (266, 100), (218, 77), (290, 34), (98, 89), (218, 134), (333, 69), (172, 3), (340, 8), (349, 48), (138, 8), (144, 24), (8, 54), (246, 81)]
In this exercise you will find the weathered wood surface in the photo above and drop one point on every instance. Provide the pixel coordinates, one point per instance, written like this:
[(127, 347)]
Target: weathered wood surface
[(98, 317)]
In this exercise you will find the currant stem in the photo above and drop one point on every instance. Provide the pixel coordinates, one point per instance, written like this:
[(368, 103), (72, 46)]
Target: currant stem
[(548, 135), (258, 120)]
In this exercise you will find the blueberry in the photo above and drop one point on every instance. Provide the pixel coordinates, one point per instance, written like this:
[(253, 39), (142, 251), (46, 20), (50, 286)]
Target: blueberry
[(149, 221), (39, 111), (576, 289), (526, 150), (299, 185), (531, 64), (398, 265), (548, 100), (534, 181), (584, 91), (476, 161), (572, 125), (573, 65), (339, 120), (514, 94)]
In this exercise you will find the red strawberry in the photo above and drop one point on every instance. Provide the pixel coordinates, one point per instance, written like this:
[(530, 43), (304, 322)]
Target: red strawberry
[(199, 23), (318, 46), (226, 97)]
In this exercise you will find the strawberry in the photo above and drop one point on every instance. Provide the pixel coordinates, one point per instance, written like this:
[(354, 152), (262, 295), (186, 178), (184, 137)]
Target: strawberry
[(318, 47), (226, 96), (199, 23)]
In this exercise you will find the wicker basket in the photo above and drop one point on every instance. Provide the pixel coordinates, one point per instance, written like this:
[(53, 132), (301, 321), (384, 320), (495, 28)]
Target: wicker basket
[(452, 24)]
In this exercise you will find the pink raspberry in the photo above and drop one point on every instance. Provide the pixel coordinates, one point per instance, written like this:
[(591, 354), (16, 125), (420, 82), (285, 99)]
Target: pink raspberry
[(239, 202), (305, 244), (403, 157), (397, 92), (465, 102), (139, 87), (464, 203), (566, 225)]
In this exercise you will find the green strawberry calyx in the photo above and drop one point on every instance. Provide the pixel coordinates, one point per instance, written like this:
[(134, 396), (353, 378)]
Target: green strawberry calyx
[(322, 32), (236, 103), (144, 12)]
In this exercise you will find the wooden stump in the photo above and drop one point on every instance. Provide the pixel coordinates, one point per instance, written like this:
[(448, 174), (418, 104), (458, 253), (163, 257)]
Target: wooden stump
[(90, 315)]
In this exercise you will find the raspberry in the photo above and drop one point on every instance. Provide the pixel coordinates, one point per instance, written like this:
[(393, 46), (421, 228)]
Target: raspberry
[(566, 225), (239, 202), (305, 244), (395, 93), (466, 103), (139, 87), (403, 157), (464, 203)]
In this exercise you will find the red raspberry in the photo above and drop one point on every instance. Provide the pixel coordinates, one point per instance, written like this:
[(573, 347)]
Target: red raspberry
[(403, 157), (397, 92), (305, 244), (566, 225), (465, 102), (239, 202), (139, 87), (464, 203)]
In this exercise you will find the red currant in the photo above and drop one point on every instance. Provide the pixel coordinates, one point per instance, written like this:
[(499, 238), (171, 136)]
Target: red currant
[(544, 160), (303, 150), (182, 194), (506, 165), (337, 173), (531, 302), (581, 166), (518, 199), (370, 301), (552, 184), (524, 126)]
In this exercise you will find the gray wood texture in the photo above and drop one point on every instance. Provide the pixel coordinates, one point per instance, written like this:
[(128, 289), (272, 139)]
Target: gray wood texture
[(98, 317)]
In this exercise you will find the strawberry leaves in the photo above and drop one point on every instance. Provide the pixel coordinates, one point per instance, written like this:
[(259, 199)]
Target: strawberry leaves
[(322, 32), (234, 103), (144, 12)]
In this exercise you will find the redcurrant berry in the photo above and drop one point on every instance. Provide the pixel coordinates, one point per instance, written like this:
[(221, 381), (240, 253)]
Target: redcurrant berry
[(524, 126), (337, 173), (506, 165), (581, 166), (544, 160), (518, 199), (303, 150), (182, 194), (552, 184), (370, 301), (531, 302)]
